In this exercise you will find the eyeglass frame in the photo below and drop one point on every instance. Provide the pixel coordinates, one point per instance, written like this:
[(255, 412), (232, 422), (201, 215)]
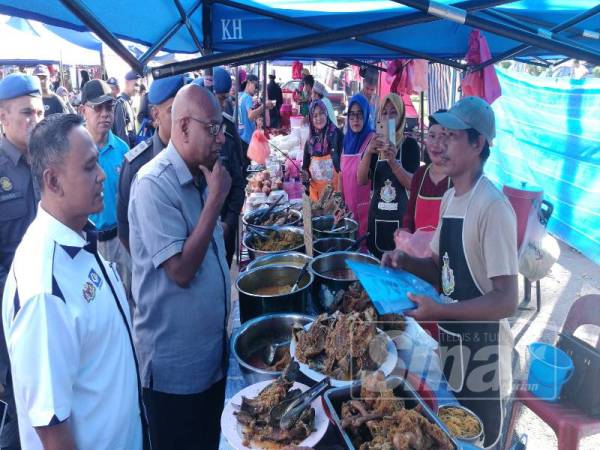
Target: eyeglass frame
[(102, 106), (210, 125)]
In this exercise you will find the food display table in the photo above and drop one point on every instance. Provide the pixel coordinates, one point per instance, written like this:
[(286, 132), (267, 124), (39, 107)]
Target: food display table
[(422, 364)]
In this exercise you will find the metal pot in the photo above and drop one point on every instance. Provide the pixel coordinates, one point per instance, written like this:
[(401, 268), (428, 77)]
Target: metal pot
[(476, 440), (295, 259), (258, 253), (321, 228), (328, 245), (327, 284), (248, 218), (253, 304), (249, 341)]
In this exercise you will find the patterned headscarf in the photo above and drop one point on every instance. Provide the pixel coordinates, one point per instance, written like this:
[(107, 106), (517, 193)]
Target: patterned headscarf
[(397, 102), (354, 141), (320, 141)]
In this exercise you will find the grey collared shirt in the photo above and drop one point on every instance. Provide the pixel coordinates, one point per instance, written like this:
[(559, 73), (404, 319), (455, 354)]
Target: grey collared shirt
[(179, 333)]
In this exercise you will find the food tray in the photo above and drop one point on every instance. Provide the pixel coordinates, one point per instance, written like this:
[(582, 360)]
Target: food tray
[(334, 398)]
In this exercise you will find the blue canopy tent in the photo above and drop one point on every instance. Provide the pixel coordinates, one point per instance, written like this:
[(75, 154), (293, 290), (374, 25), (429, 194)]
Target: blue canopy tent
[(237, 31)]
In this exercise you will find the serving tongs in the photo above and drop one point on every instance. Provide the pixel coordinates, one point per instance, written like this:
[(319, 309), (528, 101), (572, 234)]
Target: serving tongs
[(286, 414), (259, 231), (300, 276)]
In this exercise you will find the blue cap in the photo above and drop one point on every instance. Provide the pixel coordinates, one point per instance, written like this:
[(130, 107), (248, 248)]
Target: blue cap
[(199, 81), (132, 75), (163, 89), (221, 81), (112, 81), (19, 85)]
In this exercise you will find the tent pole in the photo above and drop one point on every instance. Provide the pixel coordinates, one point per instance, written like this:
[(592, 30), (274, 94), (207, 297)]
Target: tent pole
[(556, 29), (237, 92), (270, 50), (102, 62), (422, 111), (468, 5), (264, 83), (186, 21), (87, 17), (466, 18)]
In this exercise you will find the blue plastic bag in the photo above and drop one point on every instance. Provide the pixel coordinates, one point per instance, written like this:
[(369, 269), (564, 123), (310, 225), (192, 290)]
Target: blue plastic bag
[(388, 288)]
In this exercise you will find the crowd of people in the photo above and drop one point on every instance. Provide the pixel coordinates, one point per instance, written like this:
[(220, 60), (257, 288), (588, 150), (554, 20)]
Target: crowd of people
[(115, 248)]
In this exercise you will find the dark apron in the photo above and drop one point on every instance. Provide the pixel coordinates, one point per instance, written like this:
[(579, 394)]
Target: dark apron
[(469, 351), (386, 210)]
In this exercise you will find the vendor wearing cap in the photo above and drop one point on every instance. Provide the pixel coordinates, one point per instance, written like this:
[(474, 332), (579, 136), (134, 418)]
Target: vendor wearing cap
[(475, 263), (231, 157), (161, 95), (114, 86), (52, 102), (97, 107), (21, 108), (125, 113)]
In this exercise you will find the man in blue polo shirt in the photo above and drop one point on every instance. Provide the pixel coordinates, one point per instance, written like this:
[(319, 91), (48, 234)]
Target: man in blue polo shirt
[(97, 106)]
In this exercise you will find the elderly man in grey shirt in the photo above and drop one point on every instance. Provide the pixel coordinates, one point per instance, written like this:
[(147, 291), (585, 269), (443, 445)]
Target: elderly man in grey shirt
[(181, 283)]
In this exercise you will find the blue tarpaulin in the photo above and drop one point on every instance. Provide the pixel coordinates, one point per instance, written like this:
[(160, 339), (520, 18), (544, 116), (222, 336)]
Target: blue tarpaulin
[(232, 28), (548, 135)]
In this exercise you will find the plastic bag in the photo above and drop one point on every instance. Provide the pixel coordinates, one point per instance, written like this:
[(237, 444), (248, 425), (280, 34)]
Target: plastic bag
[(415, 244), (539, 251), (258, 150)]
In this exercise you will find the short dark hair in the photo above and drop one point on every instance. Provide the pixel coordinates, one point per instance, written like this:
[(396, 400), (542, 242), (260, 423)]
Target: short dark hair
[(49, 142), (473, 136), (309, 79), (432, 120)]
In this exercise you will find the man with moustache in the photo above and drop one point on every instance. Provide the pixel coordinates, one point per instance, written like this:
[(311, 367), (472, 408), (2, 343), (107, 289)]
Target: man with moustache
[(97, 105), (181, 285), (64, 310)]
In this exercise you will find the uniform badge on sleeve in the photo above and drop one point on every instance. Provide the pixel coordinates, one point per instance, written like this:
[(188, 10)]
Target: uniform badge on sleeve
[(5, 184), (89, 291), (95, 278)]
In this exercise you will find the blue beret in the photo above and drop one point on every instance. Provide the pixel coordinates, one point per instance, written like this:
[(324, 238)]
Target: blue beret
[(163, 89), (132, 75), (199, 81), (19, 85), (221, 81)]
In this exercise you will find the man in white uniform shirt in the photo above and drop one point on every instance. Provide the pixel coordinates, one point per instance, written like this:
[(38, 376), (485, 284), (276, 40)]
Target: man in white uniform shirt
[(65, 312)]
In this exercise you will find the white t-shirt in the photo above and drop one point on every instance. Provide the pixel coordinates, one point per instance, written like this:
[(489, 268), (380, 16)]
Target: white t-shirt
[(70, 352)]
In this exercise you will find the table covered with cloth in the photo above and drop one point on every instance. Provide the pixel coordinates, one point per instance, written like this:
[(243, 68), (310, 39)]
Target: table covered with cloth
[(416, 352)]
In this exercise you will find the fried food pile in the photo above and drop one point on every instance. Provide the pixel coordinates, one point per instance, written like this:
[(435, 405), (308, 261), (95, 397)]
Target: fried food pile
[(356, 299), (277, 241), (253, 415), (275, 218), (379, 421), (329, 203), (460, 423), (342, 346)]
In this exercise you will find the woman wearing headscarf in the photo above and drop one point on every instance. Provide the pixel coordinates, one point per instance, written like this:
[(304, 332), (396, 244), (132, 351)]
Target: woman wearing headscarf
[(321, 163), (356, 141), (389, 166)]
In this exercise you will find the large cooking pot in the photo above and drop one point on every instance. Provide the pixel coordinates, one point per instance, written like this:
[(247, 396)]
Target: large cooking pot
[(251, 216), (295, 259), (253, 303), (332, 275), (328, 245), (250, 342), (322, 228), (258, 253)]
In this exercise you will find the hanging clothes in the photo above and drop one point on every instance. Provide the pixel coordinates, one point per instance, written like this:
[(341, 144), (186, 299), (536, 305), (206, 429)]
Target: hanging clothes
[(443, 84), (481, 83), (297, 70)]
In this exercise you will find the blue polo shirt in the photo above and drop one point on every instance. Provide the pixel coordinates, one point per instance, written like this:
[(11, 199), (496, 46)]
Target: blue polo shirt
[(245, 126), (110, 159)]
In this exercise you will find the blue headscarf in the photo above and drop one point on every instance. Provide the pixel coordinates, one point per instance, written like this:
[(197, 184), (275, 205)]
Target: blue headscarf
[(354, 141)]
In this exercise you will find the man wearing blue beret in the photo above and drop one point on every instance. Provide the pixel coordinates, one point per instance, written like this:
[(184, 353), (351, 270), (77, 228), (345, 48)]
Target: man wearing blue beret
[(125, 113), (21, 108), (160, 97)]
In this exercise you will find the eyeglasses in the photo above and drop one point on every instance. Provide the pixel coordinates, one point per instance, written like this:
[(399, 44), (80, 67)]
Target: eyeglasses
[(107, 106), (213, 128), (357, 115)]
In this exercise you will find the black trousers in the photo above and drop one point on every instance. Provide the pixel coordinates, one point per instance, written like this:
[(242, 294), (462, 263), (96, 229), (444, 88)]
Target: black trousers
[(185, 422), (245, 161)]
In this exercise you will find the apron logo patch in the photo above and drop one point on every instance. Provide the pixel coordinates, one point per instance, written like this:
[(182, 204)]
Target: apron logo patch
[(6, 184), (447, 276), (388, 192), (95, 278), (89, 291)]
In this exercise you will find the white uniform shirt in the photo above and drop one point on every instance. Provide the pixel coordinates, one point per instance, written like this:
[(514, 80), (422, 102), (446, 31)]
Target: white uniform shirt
[(70, 351)]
